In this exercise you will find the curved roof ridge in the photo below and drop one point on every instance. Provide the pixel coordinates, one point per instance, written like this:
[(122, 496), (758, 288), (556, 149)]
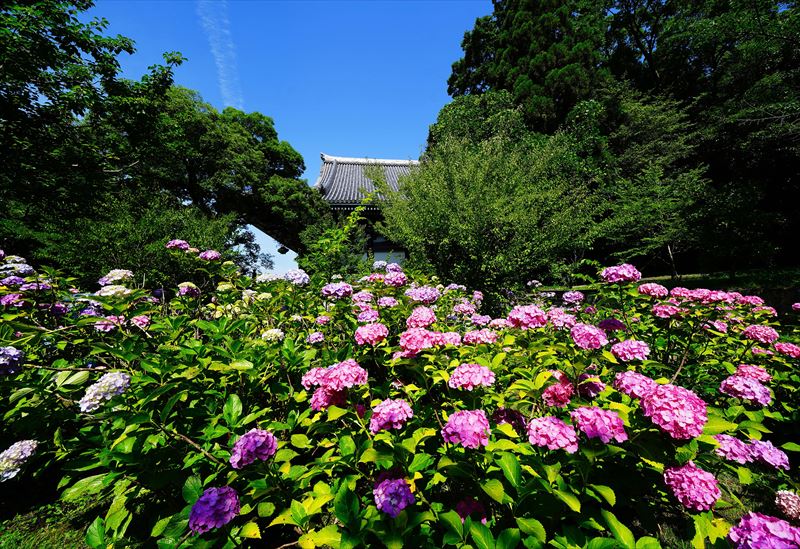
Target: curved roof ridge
[(381, 161)]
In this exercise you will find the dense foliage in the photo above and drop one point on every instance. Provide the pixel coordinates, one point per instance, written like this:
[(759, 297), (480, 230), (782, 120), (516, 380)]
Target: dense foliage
[(93, 165), (731, 69), (386, 410)]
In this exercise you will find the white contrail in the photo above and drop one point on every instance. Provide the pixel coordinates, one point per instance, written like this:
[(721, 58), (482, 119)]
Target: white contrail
[(214, 18)]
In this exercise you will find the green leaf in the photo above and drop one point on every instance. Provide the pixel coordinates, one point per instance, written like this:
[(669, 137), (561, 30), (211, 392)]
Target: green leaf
[(791, 446), (345, 505), (604, 543), (250, 530), (570, 499), (299, 441), (96, 534), (192, 489), (647, 543), (605, 492), (495, 489), (511, 469), (84, 487), (481, 536), (717, 425), (508, 539), (298, 512), (334, 412), (329, 536), (620, 532), (532, 527), (745, 475), (232, 410), (346, 445), (420, 462), (453, 521)]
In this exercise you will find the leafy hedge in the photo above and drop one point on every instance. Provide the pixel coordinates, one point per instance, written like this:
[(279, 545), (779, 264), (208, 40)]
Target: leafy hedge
[(321, 413)]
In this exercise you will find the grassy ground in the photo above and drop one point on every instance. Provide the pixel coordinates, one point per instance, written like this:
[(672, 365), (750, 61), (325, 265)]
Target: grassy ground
[(56, 525)]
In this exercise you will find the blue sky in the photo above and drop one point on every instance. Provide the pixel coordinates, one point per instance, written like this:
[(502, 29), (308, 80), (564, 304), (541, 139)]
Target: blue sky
[(348, 78)]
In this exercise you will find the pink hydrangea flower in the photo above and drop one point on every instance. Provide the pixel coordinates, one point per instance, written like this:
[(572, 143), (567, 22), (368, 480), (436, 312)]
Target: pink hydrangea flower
[(476, 337), (423, 294), (587, 336), (764, 452), (771, 311), (141, 321), (788, 349), (499, 323), (447, 338), (753, 300), (753, 372), (324, 397), (621, 273), (479, 320), (371, 334), (717, 325), (470, 376), (746, 388), (653, 290), (762, 334), (388, 302), (573, 297), (421, 317), (177, 245), (470, 428), (694, 488), (315, 337), (415, 340), (675, 410), (210, 255), (665, 311), (362, 297), (630, 350), (552, 433), (733, 449), (368, 314), (599, 423), (559, 394), (390, 414), (758, 531), (789, 504), (395, 279), (560, 319), (337, 377), (109, 323), (796, 306), (322, 320), (464, 308), (634, 384), (527, 316)]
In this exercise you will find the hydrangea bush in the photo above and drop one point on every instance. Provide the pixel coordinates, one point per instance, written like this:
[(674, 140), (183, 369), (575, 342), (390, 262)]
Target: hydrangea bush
[(386, 410)]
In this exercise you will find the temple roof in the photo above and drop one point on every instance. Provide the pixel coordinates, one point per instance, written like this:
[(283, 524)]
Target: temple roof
[(342, 181)]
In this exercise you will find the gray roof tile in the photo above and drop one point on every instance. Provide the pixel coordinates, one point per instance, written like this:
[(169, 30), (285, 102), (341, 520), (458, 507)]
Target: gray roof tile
[(342, 181)]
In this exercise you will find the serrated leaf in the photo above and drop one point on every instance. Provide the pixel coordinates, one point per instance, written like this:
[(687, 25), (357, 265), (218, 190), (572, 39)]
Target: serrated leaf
[(532, 527), (494, 488), (620, 532), (508, 539), (299, 441), (605, 492), (481, 535), (192, 489), (509, 464), (232, 410), (453, 521), (716, 425), (570, 499), (420, 462), (96, 534), (250, 530)]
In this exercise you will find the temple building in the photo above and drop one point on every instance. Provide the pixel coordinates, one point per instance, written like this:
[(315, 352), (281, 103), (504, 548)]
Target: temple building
[(343, 183)]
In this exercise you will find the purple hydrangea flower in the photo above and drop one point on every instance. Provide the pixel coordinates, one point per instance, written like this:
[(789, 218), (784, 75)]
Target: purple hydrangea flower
[(298, 277), (763, 451), (10, 360), (733, 449), (573, 297), (177, 245), (188, 289), (393, 495), (12, 281), (337, 290), (470, 428), (757, 531), (11, 300), (621, 273), (746, 388), (390, 414), (214, 509), (210, 255), (255, 444), (315, 337), (388, 302), (110, 385), (423, 294), (14, 457), (695, 488), (599, 423)]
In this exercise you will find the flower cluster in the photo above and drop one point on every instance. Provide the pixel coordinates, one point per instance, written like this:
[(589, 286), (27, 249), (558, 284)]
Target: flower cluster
[(337, 290), (633, 384), (761, 451), (395, 279), (273, 334), (177, 245), (587, 336), (789, 349), (210, 255), (188, 289), (298, 277), (470, 428), (630, 350), (552, 433), (560, 319), (113, 290), (214, 509), (560, 393), (762, 334), (331, 382), (572, 297), (653, 290), (678, 411), (527, 317), (476, 337), (746, 388), (469, 376), (766, 453), (107, 387), (621, 273), (387, 302), (694, 488), (392, 495), (759, 531), (665, 311), (114, 276), (789, 504), (14, 457), (599, 423), (253, 445), (390, 414), (423, 294), (371, 334), (421, 317), (733, 449), (315, 337), (10, 360)]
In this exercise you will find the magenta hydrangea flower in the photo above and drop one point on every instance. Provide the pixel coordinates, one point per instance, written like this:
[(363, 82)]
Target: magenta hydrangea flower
[(337, 290), (415, 340), (758, 531), (788, 349), (423, 294), (371, 334), (695, 488), (675, 410), (315, 337), (253, 445), (177, 245), (552, 433), (368, 315), (188, 289), (558, 394), (560, 319), (470, 428), (527, 317), (752, 300), (447, 338), (733, 449), (572, 297), (499, 323), (653, 290), (762, 334), (421, 317), (480, 320), (621, 273), (630, 349), (464, 308), (388, 302), (390, 414), (322, 320), (587, 336), (665, 311), (589, 385), (746, 388), (634, 384), (469, 376), (141, 321), (753, 372), (599, 423), (210, 255), (215, 508), (395, 279), (611, 325), (392, 495), (476, 337), (468, 507), (764, 452), (362, 297), (796, 307), (337, 377), (323, 398), (788, 503)]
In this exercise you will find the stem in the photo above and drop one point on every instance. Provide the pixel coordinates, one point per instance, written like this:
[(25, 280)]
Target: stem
[(190, 442)]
